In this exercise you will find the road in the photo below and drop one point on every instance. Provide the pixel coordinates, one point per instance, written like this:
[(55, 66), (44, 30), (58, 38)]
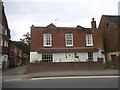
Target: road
[(64, 82)]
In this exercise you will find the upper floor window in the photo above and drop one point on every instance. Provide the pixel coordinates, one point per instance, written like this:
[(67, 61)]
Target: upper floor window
[(89, 40), (5, 32), (69, 39), (47, 39), (5, 43)]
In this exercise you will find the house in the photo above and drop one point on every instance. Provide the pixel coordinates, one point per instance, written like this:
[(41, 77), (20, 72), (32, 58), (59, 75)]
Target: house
[(5, 36), (66, 44), (15, 55), (110, 26)]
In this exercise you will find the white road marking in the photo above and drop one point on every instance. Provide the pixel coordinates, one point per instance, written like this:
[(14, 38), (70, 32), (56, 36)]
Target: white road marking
[(65, 78), (74, 77), (12, 79)]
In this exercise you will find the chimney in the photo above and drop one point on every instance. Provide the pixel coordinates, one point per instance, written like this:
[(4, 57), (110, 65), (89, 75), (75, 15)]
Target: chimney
[(93, 23)]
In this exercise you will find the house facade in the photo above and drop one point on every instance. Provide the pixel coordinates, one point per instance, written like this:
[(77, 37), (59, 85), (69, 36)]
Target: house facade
[(66, 44), (5, 36), (15, 55), (110, 26)]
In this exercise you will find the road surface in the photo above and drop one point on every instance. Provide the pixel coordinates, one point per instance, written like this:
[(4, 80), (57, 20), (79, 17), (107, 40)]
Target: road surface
[(64, 82)]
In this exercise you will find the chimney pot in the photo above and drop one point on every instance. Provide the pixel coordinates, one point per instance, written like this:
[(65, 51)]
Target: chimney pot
[(93, 23)]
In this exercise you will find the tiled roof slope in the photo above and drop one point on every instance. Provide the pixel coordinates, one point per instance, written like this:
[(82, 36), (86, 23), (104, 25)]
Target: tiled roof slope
[(115, 19)]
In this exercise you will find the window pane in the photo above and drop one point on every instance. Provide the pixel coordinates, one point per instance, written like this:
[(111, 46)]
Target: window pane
[(47, 39), (90, 55), (89, 41), (47, 58), (69, 39)]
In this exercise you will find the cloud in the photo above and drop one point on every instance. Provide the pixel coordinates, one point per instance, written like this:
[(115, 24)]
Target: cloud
[(21, 14)]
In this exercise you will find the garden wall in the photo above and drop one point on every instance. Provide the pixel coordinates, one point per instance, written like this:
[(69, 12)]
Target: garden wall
[(64, 66)]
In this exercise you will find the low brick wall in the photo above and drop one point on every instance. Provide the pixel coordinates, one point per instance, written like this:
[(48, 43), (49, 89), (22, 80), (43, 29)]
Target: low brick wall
[(64, 66)]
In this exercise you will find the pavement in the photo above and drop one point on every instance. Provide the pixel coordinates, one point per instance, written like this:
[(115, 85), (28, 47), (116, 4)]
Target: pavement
[(20, 73)]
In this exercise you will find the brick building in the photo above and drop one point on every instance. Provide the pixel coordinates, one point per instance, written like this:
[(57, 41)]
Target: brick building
[(10, 54), (66, 44), (5, 36), (15, 55), (110, 26)]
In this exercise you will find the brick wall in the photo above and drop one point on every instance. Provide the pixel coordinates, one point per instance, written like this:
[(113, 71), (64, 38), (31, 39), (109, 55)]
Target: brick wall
[(110, 36), (64, 66), (58, 37)]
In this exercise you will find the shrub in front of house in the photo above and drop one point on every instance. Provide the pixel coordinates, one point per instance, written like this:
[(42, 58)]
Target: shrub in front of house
[(110, 65)]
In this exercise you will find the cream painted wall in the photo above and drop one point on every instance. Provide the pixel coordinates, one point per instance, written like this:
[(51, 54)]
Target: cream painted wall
[(4, 57), (66, 57), (34, 56)]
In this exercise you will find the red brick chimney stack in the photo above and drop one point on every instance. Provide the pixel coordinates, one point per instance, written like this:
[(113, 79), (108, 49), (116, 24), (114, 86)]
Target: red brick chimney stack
[(93, 23)]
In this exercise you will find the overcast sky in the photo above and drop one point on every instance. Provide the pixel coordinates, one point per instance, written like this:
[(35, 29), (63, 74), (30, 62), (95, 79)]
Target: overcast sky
[(22, 14)]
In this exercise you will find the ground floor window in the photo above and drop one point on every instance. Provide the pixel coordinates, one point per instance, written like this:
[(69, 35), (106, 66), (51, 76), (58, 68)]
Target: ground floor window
[(47, 58), (90, 56)]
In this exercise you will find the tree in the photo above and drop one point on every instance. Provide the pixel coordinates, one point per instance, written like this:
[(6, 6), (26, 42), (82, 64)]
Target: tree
[(26, 38), (24, 44), (24, 47)]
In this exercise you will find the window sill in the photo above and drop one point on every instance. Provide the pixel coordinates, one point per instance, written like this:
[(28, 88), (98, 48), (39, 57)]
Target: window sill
[(69, 45), (90, 45), (47, 46)]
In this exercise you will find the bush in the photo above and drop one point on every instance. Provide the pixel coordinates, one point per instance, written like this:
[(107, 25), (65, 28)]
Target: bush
[(110, 65)]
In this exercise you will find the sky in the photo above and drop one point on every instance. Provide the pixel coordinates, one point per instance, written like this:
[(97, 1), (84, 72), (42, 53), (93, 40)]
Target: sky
[(22, 14)]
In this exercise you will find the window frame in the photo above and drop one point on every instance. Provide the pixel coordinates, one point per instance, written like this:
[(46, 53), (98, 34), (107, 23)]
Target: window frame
[(6, 43), (66, 39), (6, 31), (90, 56), (45, 39), (47, 58), (89, 41), (1, 42)]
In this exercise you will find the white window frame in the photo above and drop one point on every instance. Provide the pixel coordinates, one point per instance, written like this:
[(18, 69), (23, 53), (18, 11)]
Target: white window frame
[(5, 31), (1, 42), (89, 40), (6, 43), (45, 39), (47, 58), (66, 38)]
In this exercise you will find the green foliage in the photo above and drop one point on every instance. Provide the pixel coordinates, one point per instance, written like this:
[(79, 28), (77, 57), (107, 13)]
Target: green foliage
[(26, 38), (25, 47), (24, 44), (110, 65)]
